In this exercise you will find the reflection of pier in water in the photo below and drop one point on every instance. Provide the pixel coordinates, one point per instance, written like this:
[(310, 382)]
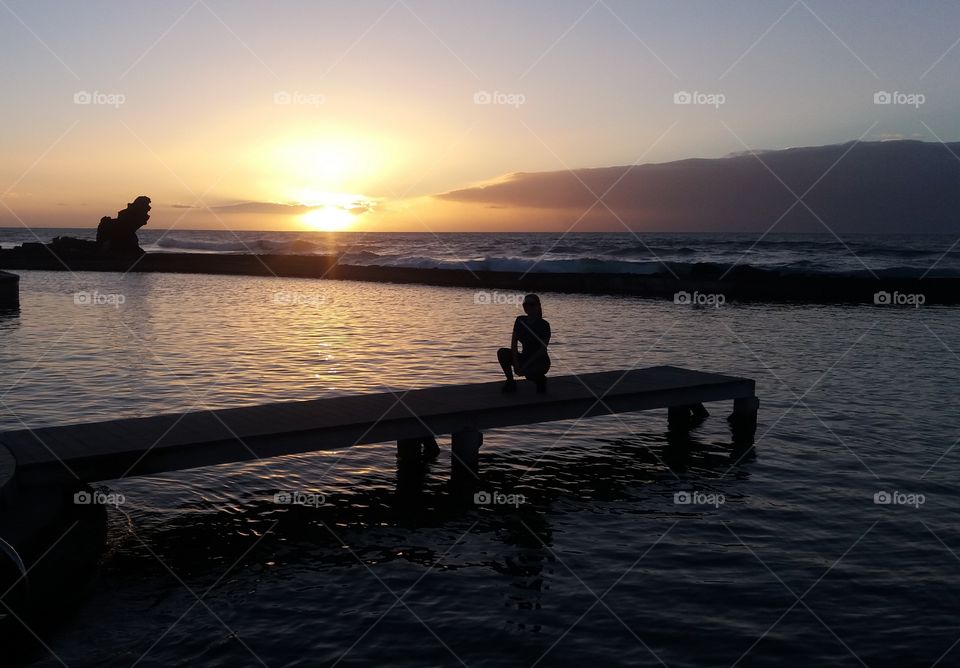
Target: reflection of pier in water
[(616, 470), (42, 469)]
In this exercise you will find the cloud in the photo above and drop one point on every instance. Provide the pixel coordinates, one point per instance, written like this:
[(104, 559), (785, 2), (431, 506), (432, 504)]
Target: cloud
[(275, 208), (886, 186), (281, 209), (362, 206)]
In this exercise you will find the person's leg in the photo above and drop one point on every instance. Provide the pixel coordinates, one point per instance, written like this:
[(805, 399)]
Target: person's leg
[(538, 374), (505, 357)]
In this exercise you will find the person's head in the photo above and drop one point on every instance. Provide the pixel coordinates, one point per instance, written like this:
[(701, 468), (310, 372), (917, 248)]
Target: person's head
[(532, 307)]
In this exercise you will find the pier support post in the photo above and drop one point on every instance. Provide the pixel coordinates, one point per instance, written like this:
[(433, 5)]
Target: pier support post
[(52, 542), (430, 447), (465, 451), (415, 449), (743, 419), (408, 449), (680, 418)]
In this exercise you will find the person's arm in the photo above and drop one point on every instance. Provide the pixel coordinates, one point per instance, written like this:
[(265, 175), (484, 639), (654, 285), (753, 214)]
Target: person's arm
[(545, 341), (514, 347)]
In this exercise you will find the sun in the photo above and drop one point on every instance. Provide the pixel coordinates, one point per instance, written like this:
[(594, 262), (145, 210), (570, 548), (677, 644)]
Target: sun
[(328, 218), (333, 212)]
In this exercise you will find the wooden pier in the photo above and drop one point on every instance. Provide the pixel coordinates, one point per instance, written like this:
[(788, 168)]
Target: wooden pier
[(143, 446)]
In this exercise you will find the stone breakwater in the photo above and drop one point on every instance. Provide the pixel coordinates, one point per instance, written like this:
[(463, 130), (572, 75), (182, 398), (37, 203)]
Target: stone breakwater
[(706, 285)]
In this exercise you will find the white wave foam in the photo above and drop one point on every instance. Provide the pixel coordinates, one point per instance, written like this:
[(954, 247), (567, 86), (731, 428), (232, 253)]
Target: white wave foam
[(507, 264), (237, 245)]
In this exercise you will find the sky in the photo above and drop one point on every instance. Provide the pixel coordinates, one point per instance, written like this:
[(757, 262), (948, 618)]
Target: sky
[(363, 114)]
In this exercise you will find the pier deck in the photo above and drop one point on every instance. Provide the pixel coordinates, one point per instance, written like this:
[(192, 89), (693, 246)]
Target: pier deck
[(171, 442)]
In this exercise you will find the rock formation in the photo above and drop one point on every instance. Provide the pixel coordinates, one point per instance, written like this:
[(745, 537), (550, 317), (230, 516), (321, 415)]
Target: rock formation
[(117, 237)]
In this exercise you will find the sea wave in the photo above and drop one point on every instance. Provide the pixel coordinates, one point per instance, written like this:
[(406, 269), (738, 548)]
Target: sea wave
[(587, 265), (595, 265), (239, 245), (705, 257), (655, 250)]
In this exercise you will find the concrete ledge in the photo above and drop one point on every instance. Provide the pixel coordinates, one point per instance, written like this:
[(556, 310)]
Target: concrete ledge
[(9, 290), (8, 470)]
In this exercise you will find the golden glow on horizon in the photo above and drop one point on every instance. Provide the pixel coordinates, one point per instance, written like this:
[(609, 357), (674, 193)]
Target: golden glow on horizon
[(324, 170), (310, 162), (333, 212), (328, 219)]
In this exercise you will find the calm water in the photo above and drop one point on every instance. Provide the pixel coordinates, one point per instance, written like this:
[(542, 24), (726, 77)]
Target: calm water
[(797, 566)]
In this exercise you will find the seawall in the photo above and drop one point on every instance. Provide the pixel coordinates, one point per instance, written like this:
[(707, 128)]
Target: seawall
[(742, 284)]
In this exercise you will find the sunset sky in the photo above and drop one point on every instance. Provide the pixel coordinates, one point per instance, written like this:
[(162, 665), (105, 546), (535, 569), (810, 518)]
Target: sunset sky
[(356, 115)]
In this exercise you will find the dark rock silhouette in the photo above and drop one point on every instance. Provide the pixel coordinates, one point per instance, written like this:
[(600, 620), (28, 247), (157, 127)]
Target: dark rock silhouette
[(116, 237)]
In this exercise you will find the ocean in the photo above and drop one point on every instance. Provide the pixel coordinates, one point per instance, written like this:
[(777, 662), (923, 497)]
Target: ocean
[(832, 542), (900, 255)]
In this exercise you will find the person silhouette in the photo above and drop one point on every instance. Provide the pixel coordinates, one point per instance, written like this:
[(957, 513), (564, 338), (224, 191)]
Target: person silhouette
[(527, 354)]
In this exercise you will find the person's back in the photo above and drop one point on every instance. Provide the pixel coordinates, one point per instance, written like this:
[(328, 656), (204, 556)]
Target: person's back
[(533, 335), (527, 354)]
